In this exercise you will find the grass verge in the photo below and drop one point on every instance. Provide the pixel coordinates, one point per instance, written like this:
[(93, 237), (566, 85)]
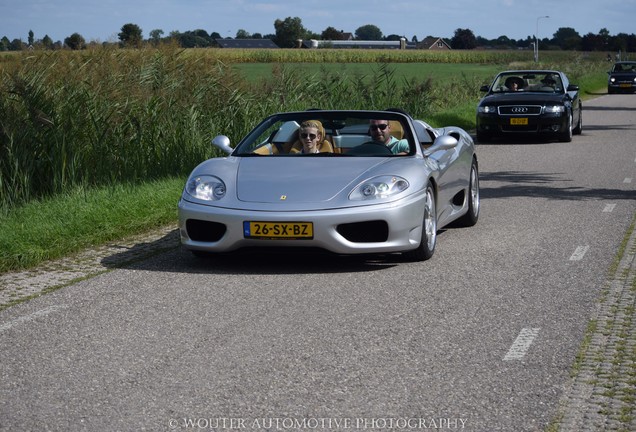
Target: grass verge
[(52, 228)]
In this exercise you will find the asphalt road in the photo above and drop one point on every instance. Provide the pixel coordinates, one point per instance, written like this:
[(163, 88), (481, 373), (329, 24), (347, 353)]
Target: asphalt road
[(482, 337)]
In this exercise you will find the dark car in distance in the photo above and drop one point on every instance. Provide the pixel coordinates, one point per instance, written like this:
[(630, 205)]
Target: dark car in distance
[(523, 102), (622, 77)]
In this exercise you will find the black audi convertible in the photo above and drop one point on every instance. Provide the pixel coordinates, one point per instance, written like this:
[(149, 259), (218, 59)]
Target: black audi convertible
[(523, 102)]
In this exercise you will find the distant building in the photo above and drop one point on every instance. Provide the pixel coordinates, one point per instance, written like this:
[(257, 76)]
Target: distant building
[(246, 43), (434, 43), (399, 44)]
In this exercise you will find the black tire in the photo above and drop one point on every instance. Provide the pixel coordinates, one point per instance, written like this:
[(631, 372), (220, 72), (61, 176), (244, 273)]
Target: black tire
[(578, 129), (472, 215), (428, 241), (567, 135)]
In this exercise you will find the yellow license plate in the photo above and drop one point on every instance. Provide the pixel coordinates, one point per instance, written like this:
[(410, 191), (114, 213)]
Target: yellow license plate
[(523, 121), (624, 85), (278, 230)]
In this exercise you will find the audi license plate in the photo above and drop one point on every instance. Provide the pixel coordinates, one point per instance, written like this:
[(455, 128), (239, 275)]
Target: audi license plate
[(278, 230), (519, 121)]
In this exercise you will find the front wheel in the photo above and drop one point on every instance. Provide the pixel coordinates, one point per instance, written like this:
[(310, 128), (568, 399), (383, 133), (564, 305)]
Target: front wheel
[(567, 135), (428, 241), (579, 125)]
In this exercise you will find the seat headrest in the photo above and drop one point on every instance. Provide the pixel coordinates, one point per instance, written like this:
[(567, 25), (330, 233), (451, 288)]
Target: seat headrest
[(396, 129)]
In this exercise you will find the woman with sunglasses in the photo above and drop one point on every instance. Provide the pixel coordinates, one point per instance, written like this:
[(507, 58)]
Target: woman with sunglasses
[(311, 139)]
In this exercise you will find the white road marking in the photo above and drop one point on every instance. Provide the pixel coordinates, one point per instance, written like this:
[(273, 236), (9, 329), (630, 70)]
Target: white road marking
[(579, 252), (521, 345), (609, 208), (627, 180), (27, 318)]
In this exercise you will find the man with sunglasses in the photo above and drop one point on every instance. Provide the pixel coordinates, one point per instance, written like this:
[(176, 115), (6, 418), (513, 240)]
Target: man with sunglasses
[(380, 131)]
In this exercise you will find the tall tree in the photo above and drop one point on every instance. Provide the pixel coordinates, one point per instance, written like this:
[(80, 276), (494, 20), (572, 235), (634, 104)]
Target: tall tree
[(47, 42), (567, 38), (31, 37), (130, 35), (289, 31), (330, 33), (75, 41), (463, 39), (368, 32), (243, 34), (155, 35)]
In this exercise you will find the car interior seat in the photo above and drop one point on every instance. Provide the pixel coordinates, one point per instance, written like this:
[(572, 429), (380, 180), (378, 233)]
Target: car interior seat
[(396, 129)]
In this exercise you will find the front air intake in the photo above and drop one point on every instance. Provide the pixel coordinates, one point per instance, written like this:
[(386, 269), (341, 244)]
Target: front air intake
[(205, 231), (365, 232)]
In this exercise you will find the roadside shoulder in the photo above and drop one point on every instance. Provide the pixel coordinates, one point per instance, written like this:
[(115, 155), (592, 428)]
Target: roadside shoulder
[(16, 287), (602, 395)]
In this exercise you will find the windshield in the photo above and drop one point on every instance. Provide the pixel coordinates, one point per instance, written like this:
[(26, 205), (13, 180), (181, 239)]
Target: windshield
[(544, 82), (625, 67), (329, 133)]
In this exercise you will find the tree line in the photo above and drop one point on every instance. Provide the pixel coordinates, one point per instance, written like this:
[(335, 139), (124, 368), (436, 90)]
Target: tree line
[(290, 30)]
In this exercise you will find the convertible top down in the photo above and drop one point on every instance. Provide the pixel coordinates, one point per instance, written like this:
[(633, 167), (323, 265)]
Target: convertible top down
[(354, 196)]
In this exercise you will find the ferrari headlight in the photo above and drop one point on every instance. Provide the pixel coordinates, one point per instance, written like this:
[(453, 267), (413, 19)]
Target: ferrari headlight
[(207, 188), (487, 109), (554, 109), (379, 187)]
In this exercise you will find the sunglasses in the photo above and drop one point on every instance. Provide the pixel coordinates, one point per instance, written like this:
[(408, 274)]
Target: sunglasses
[(379, 126), (306, 135)]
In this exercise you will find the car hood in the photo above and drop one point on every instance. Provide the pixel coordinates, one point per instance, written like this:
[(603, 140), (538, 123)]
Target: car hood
[(305, 179), (521, 98)]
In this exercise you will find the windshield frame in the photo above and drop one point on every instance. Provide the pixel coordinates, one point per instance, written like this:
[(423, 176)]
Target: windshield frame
[(530, 81), (353, 122)]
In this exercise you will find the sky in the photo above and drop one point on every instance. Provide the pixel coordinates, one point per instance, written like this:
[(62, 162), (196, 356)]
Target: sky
[(102, 20)]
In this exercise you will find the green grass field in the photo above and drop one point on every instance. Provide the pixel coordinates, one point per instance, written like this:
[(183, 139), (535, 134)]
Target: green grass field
[(256, 72)]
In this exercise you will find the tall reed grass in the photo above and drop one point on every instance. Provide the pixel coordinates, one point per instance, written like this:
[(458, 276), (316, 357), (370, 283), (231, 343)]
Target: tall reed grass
[(107, 116)]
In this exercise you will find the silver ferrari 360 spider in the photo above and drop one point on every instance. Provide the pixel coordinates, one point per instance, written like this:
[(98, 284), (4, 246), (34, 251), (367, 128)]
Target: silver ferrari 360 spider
[(349, 182)]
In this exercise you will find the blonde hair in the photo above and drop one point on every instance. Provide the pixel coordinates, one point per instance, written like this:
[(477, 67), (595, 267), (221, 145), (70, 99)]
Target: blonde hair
[(314, 124), (323, 144)]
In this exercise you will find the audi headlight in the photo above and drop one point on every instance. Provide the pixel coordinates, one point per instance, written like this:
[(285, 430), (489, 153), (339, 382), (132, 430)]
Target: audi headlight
[(379, 187), (207, 188), (554, 109), (487, 109)]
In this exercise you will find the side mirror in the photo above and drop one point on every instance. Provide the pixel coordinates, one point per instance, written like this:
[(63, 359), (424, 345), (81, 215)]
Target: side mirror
[(222, 142), (484, 88), (573, 87), (444, 142)]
